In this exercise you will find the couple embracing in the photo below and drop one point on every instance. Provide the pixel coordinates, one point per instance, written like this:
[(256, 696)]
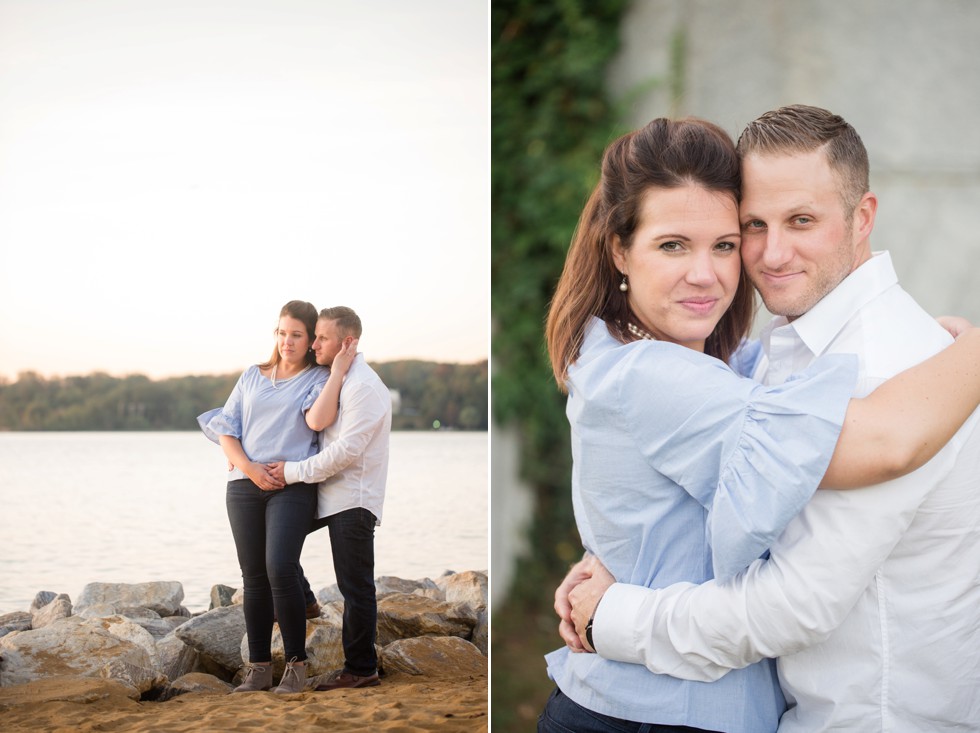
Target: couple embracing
[(698, 454), (306, 434)]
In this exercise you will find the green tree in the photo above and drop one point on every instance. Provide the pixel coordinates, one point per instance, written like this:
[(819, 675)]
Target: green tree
[(550, 122)]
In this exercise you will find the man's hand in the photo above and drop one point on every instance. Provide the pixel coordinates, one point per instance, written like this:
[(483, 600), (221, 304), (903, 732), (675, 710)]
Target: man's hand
[(580, 572), (954, 324), (276, 471), (585, 597)]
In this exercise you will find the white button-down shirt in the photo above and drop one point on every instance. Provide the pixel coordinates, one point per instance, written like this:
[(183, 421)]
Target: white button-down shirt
[(871, 597), (352, 465)]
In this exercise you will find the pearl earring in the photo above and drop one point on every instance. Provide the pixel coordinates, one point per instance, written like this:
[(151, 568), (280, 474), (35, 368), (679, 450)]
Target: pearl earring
[(624, 286)]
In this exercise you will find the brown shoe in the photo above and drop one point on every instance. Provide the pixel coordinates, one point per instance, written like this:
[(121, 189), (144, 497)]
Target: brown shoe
[(344, 679), (312, 611)]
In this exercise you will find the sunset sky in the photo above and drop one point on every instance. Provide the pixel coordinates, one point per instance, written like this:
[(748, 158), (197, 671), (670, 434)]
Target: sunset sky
[(173, 171)]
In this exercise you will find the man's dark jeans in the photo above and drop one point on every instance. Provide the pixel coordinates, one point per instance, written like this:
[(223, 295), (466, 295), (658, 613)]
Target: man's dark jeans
[(269, 528), (352, 545)]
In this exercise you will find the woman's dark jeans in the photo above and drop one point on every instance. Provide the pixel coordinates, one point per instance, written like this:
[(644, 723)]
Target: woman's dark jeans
[(564, 715), (269, 528)]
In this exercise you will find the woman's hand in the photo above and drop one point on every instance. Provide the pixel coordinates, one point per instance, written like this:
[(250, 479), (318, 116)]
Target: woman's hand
[(261, 476), (954, 324), (344, 358), (585, 598), (579, 573)]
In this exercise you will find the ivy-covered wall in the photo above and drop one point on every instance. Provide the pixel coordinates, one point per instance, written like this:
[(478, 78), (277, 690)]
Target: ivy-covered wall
[(551, 120)]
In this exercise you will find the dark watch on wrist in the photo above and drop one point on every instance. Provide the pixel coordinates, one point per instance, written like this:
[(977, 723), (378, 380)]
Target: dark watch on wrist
[(588, 632)]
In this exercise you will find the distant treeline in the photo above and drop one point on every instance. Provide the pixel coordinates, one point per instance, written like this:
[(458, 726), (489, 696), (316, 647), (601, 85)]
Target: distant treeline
[(429, 394)]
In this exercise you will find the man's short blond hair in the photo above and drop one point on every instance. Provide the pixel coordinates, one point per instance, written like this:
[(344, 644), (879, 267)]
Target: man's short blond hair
[(348, 322), (800, 128)]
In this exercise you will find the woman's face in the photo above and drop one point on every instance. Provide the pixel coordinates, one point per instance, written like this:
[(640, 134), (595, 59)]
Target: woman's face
[(683, 265), (292, 340)]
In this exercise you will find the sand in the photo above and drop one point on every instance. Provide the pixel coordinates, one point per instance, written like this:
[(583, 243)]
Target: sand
[(402, 703)]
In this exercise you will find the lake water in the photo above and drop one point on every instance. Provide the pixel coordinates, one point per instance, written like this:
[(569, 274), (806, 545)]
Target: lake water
[(119, 507)]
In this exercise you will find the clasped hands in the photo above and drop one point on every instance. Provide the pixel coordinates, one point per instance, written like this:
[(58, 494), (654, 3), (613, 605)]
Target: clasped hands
[(576, 600), (267, 476)]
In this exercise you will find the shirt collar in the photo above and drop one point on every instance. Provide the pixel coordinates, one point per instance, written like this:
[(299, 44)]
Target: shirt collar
[(820, 325)]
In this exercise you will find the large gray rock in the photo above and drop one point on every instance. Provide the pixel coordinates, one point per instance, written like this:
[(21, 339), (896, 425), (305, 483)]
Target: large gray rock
[(163, 597), (16, 621), (43, 598), (330, 594), (390, 584), (217, 634), (139, 615), (45, 610), (466, 587), (403, 616), (111, 648), (176, 658), (222, 595), (481, 631), (435, 656)]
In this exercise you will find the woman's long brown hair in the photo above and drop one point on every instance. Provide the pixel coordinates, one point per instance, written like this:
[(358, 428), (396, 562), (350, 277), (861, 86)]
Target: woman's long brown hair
[(663, 154)]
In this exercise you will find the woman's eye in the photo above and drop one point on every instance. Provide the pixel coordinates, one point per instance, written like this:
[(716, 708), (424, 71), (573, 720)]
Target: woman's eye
[(726, 246), (671, 246)]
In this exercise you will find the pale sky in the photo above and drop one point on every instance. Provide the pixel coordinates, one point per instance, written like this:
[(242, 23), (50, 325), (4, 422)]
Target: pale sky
[(173, 171)]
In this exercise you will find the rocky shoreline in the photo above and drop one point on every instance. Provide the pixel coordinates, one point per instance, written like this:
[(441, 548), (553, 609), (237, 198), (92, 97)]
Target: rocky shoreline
[(147, 646)]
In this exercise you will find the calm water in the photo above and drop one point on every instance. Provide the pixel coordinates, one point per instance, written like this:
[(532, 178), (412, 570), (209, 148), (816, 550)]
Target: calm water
[(137, 507)]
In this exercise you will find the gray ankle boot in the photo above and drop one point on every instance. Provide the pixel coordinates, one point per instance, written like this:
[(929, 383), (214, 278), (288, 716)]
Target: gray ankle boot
[(293, 679), (257, 678)]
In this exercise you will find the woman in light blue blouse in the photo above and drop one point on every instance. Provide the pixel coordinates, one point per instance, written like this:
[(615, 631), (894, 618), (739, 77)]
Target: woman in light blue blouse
[(682, 469), (264, 421)]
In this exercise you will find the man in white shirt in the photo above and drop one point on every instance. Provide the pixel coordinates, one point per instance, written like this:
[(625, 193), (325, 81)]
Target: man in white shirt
[(871, 597), (351, 469)]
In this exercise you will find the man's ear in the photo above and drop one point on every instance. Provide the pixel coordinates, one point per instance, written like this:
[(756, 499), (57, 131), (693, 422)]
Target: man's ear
[(864, 216)]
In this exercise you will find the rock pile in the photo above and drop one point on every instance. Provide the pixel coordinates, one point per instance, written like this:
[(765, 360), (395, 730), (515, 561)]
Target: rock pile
[(141, 635)]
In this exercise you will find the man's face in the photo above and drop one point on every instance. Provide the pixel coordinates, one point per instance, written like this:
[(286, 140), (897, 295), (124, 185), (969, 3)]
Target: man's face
[(328, 342), (797, 243)]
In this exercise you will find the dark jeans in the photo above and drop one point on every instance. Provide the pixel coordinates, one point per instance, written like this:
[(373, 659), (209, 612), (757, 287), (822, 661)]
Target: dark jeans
[(564, 715), (352, 545), (269, 528)]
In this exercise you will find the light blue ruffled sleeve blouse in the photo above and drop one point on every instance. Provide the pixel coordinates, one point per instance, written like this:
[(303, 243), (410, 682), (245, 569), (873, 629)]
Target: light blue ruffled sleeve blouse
[(683, 471), (269, 420)]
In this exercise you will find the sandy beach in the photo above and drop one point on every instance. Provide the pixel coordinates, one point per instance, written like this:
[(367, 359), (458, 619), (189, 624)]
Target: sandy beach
[(401, 703)]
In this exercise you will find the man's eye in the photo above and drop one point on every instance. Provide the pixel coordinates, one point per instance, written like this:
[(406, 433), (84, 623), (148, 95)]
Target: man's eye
[(753, 224), (802, 220)]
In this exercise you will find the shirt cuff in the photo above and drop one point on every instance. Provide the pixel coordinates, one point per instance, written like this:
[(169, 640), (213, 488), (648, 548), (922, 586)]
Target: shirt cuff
[(290, 472), (613, 631)]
